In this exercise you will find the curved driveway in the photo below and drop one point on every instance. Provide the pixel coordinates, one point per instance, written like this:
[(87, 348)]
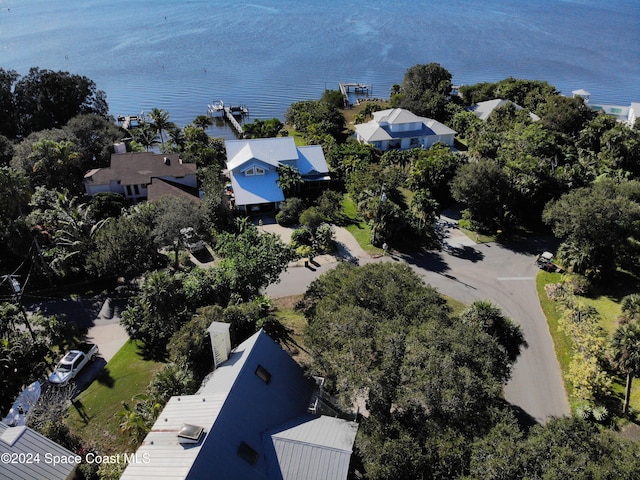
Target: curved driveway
[(506, 276)]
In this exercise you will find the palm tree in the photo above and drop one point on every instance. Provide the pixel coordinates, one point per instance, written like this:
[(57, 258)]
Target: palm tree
[(630, 306), (160, 122), (202, 121), (146, 135), (288, 178), (626, 355)]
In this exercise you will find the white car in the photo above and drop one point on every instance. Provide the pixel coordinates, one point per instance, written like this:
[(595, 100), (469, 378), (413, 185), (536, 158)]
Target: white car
[(71, 364)]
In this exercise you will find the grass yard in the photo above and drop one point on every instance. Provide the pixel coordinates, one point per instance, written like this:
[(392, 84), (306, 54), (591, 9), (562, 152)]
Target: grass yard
[(357, 227), (607, 303), (126, 375)]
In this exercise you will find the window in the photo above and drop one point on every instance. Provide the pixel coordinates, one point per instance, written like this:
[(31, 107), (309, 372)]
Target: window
[(128, 187), (136, 189), (414, 142), (263, 373), (254, 171), (247, 453)]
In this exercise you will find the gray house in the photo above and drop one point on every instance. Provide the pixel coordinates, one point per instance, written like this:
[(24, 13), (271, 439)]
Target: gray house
[(256, 417)]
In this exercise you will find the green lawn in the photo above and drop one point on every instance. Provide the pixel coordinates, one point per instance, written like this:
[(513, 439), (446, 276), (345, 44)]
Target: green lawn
[(126, 375), (357, 227), (607, 303), (563, 345)]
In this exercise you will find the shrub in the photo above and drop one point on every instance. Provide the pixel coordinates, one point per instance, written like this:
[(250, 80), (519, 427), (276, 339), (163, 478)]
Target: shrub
[(289, 212), (301, 236), (312, 217)]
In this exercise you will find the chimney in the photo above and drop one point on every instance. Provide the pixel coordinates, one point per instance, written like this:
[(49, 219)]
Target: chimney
[(220, 342)]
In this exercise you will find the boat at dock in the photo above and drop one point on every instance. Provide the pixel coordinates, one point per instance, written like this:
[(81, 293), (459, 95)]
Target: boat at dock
[(218, 109)]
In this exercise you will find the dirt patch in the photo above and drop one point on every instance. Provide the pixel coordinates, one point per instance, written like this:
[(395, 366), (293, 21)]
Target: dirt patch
[(286, 303)]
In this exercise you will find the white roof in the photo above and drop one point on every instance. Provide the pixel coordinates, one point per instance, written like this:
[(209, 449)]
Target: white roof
[(315, 448), (23, 440), (378, 129), (484, 109), (268, 153)]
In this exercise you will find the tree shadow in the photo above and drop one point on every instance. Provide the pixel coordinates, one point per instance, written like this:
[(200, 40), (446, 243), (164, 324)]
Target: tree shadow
[(105, 378), (429, 260), (464, 252), (528, 243)]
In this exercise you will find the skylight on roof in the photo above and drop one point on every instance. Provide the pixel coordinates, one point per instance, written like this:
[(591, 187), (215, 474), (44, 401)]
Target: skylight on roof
[(247, 453)]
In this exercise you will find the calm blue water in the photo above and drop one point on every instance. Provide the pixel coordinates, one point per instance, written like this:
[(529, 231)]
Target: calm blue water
[(182, 55)]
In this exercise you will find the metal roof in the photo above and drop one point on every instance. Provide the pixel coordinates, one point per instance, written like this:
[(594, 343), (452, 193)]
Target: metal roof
[(311, 160), (23, 440), (239, 409), (484, 109), (268, 153), (250, 190), (269, 150), (313, 448), (378, 129)]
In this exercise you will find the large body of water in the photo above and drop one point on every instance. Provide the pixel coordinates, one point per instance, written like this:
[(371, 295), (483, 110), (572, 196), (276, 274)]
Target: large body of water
[(180, 55)]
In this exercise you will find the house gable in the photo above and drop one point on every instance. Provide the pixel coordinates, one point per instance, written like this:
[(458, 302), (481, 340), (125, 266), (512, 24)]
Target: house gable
[(400, 128), (252, 412)]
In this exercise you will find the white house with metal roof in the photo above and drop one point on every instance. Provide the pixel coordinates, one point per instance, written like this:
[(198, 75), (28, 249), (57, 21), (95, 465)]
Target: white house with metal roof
[(397, 128), (34, 455), (252, 167), (483, 110), (249, 420)]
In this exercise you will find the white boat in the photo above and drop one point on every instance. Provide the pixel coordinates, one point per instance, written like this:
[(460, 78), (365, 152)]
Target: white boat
[(216, 109), (26, 401)]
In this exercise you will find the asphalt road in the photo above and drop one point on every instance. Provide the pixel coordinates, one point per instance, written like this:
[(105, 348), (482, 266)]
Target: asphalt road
[(502, 273)]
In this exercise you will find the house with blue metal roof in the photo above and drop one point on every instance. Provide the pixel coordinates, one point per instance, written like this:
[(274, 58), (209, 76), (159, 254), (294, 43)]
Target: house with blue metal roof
[(252, 167), (251, 419), (397, 128)]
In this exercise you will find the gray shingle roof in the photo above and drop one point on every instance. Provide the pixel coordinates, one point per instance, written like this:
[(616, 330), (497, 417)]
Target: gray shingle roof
[(139, 168)]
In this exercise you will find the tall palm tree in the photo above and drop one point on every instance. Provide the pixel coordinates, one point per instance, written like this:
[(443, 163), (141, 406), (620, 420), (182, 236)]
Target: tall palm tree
[(160, 122), (146, 135), (289, 178), (626, 355)]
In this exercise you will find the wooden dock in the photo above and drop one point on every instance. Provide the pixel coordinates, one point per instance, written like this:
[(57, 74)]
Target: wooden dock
[(128, 121), (345, 89), (228, 114)]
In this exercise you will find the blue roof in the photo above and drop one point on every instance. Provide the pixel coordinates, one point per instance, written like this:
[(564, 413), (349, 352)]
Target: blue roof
[(311, 161), (253, 189)]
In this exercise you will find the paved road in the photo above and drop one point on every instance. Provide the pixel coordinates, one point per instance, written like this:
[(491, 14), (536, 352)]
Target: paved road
[(506, 276)]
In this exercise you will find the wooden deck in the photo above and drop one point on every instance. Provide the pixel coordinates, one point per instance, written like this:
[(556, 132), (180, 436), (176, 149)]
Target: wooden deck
[(345, 88)]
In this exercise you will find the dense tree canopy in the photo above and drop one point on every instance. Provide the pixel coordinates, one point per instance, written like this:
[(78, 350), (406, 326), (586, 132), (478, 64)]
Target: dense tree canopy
[(46, 99), (595, 224)]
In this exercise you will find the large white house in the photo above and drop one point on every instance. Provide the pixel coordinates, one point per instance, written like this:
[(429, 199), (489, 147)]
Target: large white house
[(252, 167), (397, 128), (144, 176)]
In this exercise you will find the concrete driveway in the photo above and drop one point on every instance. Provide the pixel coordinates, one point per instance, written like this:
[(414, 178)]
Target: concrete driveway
[(101, 316)]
